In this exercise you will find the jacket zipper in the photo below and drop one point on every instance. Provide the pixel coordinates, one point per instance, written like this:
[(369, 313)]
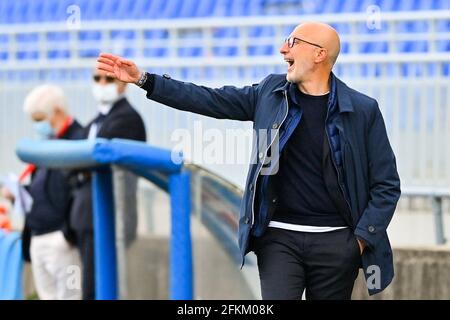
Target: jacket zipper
[(335, 167), (264, 159)]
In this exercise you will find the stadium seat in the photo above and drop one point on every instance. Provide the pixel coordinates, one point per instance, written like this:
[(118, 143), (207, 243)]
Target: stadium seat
[(123, 43), (257, 33), (95, 10), (446, 69), (185, 48), (330, 6), (225, 50), (152, 9), (89, 43), (220, 8), (23, 11), (57, 44), (150, 50), (4, 40), (18, 12), (53, 11), (415, 27), (28, 46), (170, 9), (188, 9), (34, 12), (205, 8)]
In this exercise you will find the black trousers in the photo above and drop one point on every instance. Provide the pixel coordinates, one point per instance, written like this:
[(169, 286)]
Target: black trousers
[(86, 246), (324, 264)]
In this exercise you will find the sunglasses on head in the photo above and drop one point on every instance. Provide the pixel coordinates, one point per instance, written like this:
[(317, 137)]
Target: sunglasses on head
[(97, 78)]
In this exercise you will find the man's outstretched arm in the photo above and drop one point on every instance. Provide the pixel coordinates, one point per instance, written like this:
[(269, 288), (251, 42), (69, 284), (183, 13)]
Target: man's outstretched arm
[(227, 102)]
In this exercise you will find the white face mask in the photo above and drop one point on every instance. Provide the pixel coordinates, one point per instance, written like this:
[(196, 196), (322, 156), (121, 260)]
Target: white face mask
[(105, 94)]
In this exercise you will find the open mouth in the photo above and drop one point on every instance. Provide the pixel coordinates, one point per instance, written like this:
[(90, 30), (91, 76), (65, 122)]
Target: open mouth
[(290, 63)]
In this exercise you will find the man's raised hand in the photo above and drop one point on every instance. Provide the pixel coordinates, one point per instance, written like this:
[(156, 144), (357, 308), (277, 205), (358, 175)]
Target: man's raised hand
[(118, 68)]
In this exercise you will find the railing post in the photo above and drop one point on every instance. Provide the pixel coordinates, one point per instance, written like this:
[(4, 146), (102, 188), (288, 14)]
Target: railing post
[(104, 235), (181, 274), (438, 220)]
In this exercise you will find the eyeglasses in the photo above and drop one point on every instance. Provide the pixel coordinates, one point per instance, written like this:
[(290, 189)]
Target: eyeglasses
[(292, 40), (97, 78)]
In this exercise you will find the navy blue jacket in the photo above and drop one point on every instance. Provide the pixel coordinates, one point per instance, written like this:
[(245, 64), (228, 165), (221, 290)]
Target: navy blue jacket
[(358, 142), (58, 193), (122, 121)]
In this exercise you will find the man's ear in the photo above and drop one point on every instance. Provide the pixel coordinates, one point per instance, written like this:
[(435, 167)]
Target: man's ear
[(58, 112), (321, 55)]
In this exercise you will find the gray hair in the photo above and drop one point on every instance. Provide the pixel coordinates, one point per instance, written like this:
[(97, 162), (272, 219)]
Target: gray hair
[(46, 99)]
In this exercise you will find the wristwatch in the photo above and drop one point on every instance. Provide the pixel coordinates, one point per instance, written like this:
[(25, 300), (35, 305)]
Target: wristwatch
[(142, 80)]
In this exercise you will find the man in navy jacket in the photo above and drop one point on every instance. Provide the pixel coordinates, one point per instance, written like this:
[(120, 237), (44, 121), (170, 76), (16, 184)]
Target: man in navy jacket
[(116, 119), (322, 184)]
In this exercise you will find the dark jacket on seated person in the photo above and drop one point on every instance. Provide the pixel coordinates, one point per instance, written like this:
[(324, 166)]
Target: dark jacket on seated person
[(52, 200)]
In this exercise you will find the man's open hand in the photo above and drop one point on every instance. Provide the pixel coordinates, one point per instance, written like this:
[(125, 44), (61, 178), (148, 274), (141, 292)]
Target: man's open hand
[(118, 68)]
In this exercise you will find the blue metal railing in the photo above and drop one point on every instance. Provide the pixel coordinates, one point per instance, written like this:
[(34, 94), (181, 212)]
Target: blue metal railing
[(11, 266), (145, 161)]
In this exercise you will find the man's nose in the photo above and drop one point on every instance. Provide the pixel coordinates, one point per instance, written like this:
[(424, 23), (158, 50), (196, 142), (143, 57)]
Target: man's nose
[(284, 48)]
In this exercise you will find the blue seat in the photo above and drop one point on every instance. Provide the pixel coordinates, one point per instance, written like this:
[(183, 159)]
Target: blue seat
[(261, 32), (342, 6), (28, 46), (170, 9), (331, 6), (25, 11), (89, 43), (222, 8), (446, 69), (3, 11), (123, 43), (386, 5), (151, 9), (21, 11), (112, 9), (58, 43), (188, 9), (413, 27), (8, 12), (3, 257), (94, 10), (126, 9), (205, 8), (4, 40), (34, 12), (53, 10), (371, 46), (190, 50), (133, 9), (441, 5), (225, 50), (155, 51)]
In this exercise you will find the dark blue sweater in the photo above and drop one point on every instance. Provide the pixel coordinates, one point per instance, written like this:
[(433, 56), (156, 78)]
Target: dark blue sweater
[(303, 197)]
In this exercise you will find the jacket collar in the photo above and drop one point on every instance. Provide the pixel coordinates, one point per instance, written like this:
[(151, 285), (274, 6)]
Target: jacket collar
[(338, 88), (343, 96), (283, 87)]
